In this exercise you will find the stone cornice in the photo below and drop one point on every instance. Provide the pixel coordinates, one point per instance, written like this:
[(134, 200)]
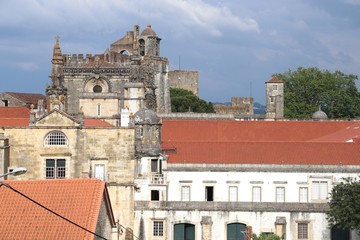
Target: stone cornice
[(231, 206)]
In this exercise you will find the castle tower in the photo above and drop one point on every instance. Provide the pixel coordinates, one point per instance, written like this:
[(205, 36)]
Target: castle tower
[(56, 93), (149, 43), (274, 98)]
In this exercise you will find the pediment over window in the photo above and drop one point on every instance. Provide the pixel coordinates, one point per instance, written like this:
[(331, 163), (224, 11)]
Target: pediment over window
[(57, 118)]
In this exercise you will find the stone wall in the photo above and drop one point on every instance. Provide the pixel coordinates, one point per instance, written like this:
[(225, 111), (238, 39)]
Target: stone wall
[(185, 79), (112, 146), (239, 106), (7, 100)]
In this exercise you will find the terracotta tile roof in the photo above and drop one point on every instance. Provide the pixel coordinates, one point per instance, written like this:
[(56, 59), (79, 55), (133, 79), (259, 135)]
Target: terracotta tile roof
[(262, 142), (92, 122), (264, 153), (78, 200), (28, 98), (275, 79), (14, 116), (343, 135), (254, 131)]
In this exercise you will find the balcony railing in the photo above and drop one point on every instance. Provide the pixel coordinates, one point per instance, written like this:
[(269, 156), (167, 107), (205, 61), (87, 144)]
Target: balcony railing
[(158, 179)]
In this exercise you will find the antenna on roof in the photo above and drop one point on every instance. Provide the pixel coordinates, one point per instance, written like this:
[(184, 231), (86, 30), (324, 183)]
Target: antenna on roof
[(250, 89)]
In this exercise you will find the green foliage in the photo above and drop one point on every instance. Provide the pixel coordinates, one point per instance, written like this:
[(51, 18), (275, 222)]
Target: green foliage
[(345, 205), (306, 89), (184, 101), (266, 236)]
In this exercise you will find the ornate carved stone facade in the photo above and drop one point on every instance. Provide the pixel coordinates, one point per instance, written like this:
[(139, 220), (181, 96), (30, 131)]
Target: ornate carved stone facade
[(129, 75)]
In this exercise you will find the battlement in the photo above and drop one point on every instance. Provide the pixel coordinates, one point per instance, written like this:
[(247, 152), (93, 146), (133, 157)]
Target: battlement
[(239, 106), (89, 60)]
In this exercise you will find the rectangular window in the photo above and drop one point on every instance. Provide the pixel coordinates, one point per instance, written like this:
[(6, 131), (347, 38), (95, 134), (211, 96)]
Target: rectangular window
[(154, 165), (274, 87), (99, 171), (55, 168), (303, 194), (280, 194), (98, 110), (185, 193), (158, 228), (233, 193), (319, 190), (155, 195), (209, 193), (302, 231), (256, 194)]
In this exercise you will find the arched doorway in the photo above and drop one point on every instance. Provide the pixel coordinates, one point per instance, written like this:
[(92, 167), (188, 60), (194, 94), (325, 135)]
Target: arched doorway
[(339, 234), (184, 231), (236, 231)]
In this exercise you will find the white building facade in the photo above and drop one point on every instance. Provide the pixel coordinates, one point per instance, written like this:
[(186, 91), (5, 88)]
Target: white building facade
[(215, 201), (199, 193)]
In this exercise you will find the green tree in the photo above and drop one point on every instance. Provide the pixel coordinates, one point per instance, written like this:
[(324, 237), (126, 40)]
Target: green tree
[(266, 236), (307, 89), (184, 101), (344, 203)]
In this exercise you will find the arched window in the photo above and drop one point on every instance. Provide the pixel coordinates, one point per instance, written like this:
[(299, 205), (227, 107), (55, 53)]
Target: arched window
[(124, 52), (97, 89), (56, 138)]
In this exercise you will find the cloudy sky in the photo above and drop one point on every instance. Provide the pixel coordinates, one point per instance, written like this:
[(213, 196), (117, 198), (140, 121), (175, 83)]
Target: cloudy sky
[(235, 45)]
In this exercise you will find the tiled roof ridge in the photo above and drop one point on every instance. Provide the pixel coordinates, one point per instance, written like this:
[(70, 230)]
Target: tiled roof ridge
[(97, 199), (98, 187), (23, 93)]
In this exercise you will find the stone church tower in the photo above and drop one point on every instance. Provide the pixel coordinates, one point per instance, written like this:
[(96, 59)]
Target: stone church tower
[(130, 75), (275, 98)]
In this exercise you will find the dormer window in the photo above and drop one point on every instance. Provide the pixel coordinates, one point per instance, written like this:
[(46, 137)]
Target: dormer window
[(56, 138)]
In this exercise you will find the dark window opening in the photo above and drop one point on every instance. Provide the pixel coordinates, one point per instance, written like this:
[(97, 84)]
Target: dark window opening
[(155, 195), (6, 103), (97, 89), (209, 193), (154, 165), (124, 52), (142, 47)]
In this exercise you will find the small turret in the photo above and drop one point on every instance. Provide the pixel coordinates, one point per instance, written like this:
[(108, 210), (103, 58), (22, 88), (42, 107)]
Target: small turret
[(56, 93)]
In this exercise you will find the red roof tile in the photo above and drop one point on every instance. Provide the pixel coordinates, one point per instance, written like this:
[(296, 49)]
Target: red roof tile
[(275, 79), (92, 122), (264, 153), (261, 142), (78, 200), (28, 98), (14, 116), (254, 131)]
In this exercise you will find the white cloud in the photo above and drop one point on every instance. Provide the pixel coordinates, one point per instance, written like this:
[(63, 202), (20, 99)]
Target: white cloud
[(353, 2), (100, 14)]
